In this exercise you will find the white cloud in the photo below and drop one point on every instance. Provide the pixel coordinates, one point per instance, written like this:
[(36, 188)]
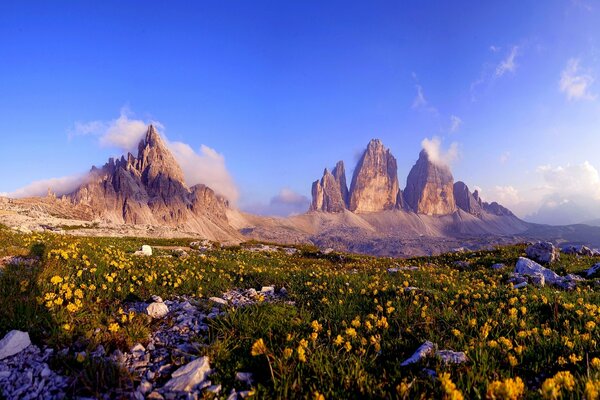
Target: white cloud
[(572, 180), (504, 157), (285, 203), (495, 49), (433, 147), (508, 64), (58, 186), (576, 83), (455, 123), (419, 100), (207, 167)]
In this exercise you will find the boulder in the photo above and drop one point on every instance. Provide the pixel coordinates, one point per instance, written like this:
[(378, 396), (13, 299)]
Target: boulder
[(580, 250), (528, 267), (157, 310), (186, 378), (543, 252), (498, 266), (13, 342)]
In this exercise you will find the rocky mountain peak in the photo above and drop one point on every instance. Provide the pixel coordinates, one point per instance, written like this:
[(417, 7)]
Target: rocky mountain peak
[(327, 193), (430, 187), (155, 162), (339, 173), (467, 201), (374, 184)]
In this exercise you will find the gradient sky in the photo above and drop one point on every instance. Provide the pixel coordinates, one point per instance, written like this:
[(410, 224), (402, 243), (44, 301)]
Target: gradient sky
[(282, 89)]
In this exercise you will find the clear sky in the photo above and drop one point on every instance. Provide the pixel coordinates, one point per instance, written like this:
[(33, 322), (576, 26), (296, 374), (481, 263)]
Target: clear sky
[(278, 90)]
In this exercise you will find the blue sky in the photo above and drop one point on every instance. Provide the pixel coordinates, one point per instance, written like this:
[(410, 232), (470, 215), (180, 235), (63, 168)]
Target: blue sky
[(279, 90)]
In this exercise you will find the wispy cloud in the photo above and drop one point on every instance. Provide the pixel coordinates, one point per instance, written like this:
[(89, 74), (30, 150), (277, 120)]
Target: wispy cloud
[(504, 157), (575, 83), (495, 49), (58, 186), (508, 64), (419, 100), (455, 123)]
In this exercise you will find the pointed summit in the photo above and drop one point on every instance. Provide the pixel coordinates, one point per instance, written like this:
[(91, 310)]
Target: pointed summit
[(155, 161), (430, 187), (326, 194), (375, 182)]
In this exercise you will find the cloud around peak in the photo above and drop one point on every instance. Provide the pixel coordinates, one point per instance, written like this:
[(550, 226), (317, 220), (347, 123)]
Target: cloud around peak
[(206, 166), (438, 155)]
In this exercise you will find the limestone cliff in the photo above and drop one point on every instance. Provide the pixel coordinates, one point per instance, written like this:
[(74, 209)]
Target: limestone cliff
[(374, 184), (430, 187)]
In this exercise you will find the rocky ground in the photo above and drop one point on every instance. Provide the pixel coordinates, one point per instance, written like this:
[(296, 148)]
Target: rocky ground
[(165, 368)]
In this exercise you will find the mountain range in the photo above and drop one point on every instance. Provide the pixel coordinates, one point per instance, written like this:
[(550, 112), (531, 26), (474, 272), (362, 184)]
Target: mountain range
[(432, 214)]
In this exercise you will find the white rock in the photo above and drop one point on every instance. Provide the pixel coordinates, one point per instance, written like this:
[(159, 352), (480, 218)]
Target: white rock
[(424, 351), (268, 290), (498, 266), (543, 252), (14, 342), (145, 251), (186, 378), (157, 310), (528, 267), (218, 300)]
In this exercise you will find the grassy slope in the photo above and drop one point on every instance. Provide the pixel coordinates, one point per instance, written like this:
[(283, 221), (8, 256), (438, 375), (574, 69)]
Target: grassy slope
[(469, 309)]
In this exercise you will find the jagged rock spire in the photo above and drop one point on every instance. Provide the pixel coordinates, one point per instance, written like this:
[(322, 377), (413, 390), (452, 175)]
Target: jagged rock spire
[(375, 181)]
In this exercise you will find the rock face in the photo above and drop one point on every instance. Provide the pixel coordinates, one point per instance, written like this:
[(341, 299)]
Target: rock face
[(330, 194), (430, 187), (375, 181), (467, 201), (150, 189)]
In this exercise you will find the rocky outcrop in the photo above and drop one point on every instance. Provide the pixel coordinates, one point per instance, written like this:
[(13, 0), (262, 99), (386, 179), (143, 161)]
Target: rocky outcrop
[(330, 194), (374, 184), (543, 252), (430, 187), (149, 189), (467, 201)]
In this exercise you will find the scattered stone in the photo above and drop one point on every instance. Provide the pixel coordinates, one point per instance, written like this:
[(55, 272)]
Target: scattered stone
[(216, 389), (452, 357), (428, 349), (538, 279), (327, 251), (593, 270), (157, 310), (498, 266), (424, 351), (268, 290), (520, 285), (580, 250), (186, 378), (244, 377), (543, 252), (218, 300), (13, 342), (180, 253), (461, 264), (26, 375)]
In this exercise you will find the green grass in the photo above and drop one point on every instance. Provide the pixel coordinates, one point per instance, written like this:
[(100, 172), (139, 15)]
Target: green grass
[(542, 330)]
